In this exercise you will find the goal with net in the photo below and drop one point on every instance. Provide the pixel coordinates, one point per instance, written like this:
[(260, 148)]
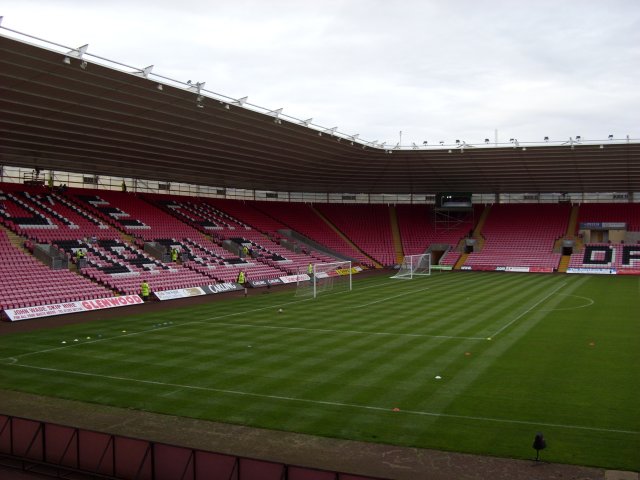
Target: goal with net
[(414, 266), (324, 277)]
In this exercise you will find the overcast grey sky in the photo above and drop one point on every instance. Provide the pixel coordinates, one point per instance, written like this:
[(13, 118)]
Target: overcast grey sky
[(435, 70)]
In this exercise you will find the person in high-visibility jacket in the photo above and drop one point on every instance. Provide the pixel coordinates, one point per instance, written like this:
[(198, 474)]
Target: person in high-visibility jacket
[(174, 255), (80, 256), (310, 269), (242, 277), (145, 290)]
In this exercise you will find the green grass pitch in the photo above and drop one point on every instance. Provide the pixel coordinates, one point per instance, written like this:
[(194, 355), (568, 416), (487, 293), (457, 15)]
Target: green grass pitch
[(563, 358)]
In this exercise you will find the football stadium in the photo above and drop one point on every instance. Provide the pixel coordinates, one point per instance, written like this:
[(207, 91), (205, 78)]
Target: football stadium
[(196, 287)]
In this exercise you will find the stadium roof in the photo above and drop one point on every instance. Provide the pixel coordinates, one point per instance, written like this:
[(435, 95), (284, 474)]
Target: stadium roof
[(68, 111)]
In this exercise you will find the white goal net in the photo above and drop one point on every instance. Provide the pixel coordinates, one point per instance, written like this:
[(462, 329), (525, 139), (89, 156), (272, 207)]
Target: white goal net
[(414, 265), (324, 277)]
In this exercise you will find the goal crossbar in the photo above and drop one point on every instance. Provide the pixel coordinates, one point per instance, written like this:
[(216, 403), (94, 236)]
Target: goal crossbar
[(414, 266)]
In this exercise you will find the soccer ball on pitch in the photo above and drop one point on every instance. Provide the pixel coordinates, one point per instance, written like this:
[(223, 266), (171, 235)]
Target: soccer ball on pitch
[(280, 310)]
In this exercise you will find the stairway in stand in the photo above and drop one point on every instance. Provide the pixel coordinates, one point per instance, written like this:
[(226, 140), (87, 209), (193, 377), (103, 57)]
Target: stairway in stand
[(564, 263), (16, 240), (460, 262), (395, 231), (343, 236)]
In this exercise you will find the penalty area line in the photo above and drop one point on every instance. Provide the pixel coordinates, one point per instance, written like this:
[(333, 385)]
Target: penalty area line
[(504, 327), (326, 402)]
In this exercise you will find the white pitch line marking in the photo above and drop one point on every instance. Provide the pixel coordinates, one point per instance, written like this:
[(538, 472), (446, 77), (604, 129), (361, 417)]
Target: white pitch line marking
[(526, 311), (389, 298), (325, 402), (590, 302), (325, 330)]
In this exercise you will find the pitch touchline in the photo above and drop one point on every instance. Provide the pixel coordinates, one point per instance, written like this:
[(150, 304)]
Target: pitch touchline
[(361, 332), (389, 298), (527, 310), (326, 402)]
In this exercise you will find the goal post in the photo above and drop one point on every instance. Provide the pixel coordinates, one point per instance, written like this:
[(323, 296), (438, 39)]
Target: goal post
[(324, 277), (414, 266)]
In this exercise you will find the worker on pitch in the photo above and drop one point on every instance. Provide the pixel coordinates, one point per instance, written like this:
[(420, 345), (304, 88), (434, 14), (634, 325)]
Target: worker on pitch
[(242, 277), (145, 290)]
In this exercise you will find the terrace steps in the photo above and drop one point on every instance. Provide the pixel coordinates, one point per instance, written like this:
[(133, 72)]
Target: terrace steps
[(564, 263), (343, 236), (460, 262), (477, 232), (395, 231), (573, 221), (16, 240), (570, 234)]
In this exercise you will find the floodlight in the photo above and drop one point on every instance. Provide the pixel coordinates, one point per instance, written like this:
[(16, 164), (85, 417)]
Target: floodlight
[(425, 142), (78, 52), (610, 137), (159, 87), (66, 60), (486, 140), (578, 137), (546, 139), (457, 141), (441, 142), (145, 72)]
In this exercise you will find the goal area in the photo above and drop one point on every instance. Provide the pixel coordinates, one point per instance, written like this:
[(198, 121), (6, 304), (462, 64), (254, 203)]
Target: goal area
[(324, 277), (414, 266)]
